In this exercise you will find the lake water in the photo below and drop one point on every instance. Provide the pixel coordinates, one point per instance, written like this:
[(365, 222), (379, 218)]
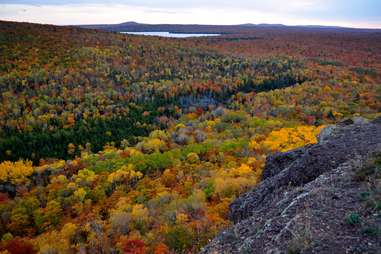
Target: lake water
[(168, 34)]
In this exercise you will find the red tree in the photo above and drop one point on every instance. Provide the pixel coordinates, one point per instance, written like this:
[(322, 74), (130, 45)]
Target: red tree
[(134, 246), (19, 246)]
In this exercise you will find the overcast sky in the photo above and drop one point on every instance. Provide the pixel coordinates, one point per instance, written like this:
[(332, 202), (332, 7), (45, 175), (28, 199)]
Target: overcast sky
[(351, 13)]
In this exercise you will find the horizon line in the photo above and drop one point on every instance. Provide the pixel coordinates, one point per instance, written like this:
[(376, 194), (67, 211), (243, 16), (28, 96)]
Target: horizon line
[(202, 24)]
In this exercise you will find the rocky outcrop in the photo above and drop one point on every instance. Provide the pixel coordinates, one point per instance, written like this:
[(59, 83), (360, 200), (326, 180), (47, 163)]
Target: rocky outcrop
[(309, 200)]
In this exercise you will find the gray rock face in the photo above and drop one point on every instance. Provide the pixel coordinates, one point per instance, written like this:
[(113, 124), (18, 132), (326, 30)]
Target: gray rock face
[(307, 195)]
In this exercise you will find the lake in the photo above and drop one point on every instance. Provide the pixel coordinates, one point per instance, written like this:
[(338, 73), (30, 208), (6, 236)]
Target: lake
[(168, 34)]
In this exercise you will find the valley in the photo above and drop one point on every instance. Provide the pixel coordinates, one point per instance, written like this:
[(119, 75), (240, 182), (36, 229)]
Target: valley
[(119, 143)]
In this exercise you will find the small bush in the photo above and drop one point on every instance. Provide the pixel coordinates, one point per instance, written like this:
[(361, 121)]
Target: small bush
[(372, 168), (209, 190), (364, 196), (221, 127), (193, 158), (234, 117), (179, 238), (371, 231), (378, 206), (353, 219)]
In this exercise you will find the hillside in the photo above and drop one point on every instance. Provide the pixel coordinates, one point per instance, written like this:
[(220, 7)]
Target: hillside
[(114, 143), (219, 29), (323, 198)]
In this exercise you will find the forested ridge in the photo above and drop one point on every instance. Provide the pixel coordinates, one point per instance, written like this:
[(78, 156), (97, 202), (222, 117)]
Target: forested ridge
[(52, 98), (114, 143)]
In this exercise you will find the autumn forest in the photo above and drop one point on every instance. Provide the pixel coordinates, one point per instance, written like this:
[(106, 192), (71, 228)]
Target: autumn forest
[(115, 143)]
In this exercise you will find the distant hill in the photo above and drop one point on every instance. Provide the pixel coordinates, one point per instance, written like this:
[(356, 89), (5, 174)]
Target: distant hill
[(130, 23), (132, 26), (262, 25), (173, 28)]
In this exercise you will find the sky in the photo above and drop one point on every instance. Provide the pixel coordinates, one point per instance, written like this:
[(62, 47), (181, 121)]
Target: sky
[(348, 13)]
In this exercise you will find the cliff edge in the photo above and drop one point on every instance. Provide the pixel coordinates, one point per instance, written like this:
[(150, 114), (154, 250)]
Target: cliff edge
[(322, 198)]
